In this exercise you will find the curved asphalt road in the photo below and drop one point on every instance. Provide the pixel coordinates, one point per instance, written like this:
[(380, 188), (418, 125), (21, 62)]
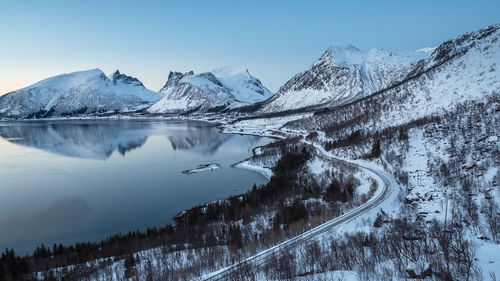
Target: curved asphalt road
[(390, 186)]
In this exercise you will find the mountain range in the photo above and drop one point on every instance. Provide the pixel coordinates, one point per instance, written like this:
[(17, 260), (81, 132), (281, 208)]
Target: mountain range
[(426, 124), (342, 75), (220, 90)]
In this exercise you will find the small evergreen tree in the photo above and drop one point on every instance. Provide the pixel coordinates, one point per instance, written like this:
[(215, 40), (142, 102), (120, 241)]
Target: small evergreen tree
[(129, 266), (375, 149)]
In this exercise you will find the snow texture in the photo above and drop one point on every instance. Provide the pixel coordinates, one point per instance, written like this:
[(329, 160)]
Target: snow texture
[(220, 90), (78, 93), (343, 74)]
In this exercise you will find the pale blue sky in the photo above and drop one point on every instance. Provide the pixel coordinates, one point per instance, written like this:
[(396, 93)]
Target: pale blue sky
[(273, 39)]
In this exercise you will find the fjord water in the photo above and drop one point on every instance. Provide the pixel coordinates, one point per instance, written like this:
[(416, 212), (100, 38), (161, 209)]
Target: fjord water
[(70, 181)]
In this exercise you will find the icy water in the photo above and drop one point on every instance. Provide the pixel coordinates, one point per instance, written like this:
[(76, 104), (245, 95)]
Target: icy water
[(69, 181)]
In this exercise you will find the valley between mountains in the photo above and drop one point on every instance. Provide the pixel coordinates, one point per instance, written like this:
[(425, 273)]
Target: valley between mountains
[(385, 166)]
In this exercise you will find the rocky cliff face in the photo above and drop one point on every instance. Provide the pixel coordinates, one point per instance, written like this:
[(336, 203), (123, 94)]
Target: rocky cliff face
[(118, 77)]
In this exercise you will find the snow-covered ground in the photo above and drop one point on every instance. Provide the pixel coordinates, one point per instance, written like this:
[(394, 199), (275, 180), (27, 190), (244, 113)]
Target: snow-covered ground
[(269, 127), (428, 171), (203, 168), (263, 170)]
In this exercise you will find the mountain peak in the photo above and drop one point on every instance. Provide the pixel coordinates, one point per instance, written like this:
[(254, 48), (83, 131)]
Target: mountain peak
[(71, 79), (118, 77), (173, 78), (342, 56), (343, 74), (230, 71), (222, 89), (78, 93), (116, 73), (243, 85)]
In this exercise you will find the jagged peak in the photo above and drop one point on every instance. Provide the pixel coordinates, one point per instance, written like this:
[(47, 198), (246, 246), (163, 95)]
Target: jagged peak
[(116, 73), (119, 77), (225, 73), (341, 56), (173, 78)]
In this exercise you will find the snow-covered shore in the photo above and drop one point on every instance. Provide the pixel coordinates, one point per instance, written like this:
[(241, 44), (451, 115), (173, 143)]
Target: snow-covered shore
[(265, 171), (203, 168)]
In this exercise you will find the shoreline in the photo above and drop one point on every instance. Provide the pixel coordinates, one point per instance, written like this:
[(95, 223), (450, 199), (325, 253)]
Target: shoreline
[(245, 164), (212, 123)]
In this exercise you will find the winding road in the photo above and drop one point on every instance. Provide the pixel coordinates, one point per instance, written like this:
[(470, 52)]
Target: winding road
[(388, 189)]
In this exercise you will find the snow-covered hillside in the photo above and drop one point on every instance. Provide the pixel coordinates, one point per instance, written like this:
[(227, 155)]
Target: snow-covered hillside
[(437, 132), (459, 70), (343, 74), (77, 93), (429, 119), (223, 88)]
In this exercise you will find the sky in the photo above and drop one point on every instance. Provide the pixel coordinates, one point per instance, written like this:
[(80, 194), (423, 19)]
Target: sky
[(274, 40)]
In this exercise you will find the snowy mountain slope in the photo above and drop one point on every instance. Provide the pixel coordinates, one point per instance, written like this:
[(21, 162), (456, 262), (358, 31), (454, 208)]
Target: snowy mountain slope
[(222, 89), (82, 92), (459, 70), (244, 87), (437, 132), (343, 74), (173, 79)]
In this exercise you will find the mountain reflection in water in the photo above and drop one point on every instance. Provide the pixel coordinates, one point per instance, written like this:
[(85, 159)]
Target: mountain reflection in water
[(80, 180), (99, 139)]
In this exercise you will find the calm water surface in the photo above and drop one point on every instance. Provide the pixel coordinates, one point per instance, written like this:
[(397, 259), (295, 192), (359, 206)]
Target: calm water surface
[(68, 181)]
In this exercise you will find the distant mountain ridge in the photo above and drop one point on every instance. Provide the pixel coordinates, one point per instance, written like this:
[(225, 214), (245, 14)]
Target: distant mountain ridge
[(78, 93), (222, 89), (342, 74), (459, 71)]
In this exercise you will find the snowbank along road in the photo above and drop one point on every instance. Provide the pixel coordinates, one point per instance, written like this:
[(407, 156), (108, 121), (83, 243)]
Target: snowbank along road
[(387, 191)]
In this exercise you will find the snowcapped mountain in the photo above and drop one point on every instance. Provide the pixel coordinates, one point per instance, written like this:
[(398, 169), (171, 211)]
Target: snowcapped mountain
[(244, 87), (459, 71), (436, 131), (83, 92), (343, 74), (222, 89), (173, 78)]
